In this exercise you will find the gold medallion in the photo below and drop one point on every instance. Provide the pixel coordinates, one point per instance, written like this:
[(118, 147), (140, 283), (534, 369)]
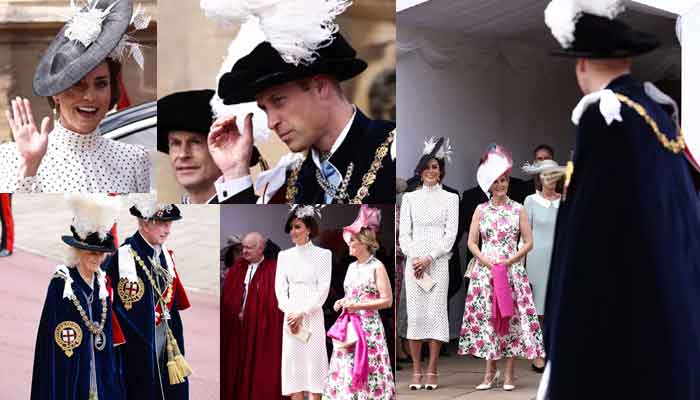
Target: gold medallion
[(68, 336), (130, 292)]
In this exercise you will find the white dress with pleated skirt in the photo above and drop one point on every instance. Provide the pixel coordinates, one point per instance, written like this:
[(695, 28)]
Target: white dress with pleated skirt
[(428, 227), (302, 282)]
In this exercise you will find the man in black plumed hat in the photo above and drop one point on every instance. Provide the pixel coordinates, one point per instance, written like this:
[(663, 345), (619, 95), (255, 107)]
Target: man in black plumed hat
[(624, 286), (149, 299), (184, 120), (350, 157)]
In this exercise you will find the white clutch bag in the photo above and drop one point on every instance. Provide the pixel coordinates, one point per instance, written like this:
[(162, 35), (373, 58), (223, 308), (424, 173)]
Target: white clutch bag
[(426, 282), (350, 338), (303, 333)]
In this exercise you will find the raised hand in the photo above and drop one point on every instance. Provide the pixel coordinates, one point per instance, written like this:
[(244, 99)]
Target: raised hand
[(31, 143), (231, 149)]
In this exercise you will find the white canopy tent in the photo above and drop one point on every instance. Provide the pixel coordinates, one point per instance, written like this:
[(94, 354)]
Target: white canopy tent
[(479, 71)]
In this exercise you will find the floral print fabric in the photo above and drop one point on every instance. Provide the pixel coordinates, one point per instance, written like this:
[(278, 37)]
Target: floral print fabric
[(360, 286), (499, 227)]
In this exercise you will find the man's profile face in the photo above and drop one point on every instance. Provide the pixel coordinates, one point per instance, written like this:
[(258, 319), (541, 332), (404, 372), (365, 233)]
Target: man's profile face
[(253, 247), (156, 232), (189, 155), (294, 111)]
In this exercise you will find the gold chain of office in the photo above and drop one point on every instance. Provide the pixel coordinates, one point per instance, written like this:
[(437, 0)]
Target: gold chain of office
[(674, 146), (367, 180), (166, 295)]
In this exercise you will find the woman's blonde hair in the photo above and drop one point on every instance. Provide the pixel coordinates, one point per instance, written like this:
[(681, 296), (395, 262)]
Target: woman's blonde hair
[(71, 256), (368, 238)]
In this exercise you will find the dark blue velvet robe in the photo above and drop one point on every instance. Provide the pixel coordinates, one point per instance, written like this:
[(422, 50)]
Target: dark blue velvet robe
[(623, 304), (144, 376), (58, 377)]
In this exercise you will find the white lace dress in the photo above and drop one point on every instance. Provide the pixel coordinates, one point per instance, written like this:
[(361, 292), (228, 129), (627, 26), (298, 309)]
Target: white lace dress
[(428, 226), (302, 282), (77, 162)]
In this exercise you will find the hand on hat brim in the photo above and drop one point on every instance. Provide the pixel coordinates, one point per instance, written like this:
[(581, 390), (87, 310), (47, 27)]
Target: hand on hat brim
[(231, 149)]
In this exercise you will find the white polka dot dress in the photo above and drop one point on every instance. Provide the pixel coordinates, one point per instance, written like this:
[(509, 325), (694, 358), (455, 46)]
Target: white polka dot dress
[(428, 227), (77, 162), (301, 284)]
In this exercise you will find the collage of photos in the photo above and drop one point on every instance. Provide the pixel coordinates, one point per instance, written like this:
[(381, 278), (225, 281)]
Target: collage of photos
[(209, 200)]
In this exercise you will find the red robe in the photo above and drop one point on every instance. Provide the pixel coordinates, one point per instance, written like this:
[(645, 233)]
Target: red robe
[(252, 347)]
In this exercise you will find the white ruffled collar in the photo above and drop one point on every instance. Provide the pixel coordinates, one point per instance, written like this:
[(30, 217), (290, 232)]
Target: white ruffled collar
[(431, 189), (544, 202)]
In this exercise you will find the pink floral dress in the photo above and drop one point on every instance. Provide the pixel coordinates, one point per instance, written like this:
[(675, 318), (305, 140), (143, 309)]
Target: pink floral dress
[(500, 231), (360, 286)]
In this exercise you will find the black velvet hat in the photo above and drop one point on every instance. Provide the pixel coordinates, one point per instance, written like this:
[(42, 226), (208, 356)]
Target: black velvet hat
[(184, 111), (92, 242), (188, 111), (601, 37), (167, 212), (264, 67), (96, 32)]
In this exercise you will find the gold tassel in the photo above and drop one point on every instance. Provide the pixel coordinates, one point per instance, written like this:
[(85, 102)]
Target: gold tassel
[(174, 373), (182, 364)]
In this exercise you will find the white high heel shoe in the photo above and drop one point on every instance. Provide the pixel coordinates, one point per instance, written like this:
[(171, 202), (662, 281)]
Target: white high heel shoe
[(508, 387), (416, 386), (494, 381)]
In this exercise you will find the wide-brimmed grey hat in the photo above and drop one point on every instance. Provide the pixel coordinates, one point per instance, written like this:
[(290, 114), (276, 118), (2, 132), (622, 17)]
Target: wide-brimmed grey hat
[(84, 42)]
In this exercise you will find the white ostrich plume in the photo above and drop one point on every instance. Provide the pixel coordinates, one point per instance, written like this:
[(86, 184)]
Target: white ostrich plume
[(561, 15), (295, 28), (94, 212)]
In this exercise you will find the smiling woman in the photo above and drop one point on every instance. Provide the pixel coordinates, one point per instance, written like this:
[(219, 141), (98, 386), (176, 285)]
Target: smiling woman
[(79, 74)]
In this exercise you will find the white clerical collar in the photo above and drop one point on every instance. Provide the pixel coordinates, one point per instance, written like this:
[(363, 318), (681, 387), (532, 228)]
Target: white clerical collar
[(256, 264), (338, 141)]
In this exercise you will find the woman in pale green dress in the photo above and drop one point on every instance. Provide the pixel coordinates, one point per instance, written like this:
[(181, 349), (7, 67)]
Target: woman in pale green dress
[(542, 208)]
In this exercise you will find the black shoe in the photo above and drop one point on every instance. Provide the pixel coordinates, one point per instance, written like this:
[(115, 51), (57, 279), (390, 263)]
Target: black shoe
[(403, 360), (537, 369), (5, 253)]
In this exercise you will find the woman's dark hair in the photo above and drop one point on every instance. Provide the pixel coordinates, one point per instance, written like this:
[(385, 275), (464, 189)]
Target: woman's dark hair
[(308, 221), (423, 165), (115, 68)]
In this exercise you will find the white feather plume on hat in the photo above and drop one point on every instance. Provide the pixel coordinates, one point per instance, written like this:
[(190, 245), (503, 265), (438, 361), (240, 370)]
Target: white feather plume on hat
[(295, 28), (146, 203), (443, 153), (561, 15), (248, 37), (94, 212)]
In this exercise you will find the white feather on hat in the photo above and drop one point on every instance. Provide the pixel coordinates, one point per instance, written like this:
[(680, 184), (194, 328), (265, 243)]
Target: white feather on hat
[(561, 15), (146, 203), (443, 153), (94, 212), (295, 28), (248, 37)]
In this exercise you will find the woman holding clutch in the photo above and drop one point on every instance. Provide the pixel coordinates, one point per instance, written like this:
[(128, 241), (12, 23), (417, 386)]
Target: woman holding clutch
[(428, 228), (360, 367), (302, 281), (500, 319)]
